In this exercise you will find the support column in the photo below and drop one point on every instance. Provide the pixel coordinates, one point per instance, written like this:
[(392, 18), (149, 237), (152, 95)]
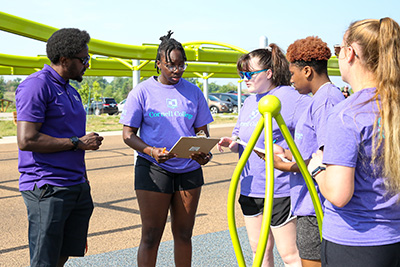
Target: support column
[(135, 73), (135, 81), (205, 85), (263, 42), (239, 95)]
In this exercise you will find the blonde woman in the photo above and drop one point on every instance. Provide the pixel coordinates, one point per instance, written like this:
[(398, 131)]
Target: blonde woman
[(359, 169)]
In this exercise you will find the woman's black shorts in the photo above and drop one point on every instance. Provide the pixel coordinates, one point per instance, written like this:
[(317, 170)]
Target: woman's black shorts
[(151, 177), (281, 215)]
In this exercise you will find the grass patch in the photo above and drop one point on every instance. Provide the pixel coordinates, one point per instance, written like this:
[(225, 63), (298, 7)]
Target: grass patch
[(7, 128), (104, 123)]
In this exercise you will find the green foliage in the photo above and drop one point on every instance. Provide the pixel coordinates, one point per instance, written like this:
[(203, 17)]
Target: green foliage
[(84, 92), (228, 87), (2, 87)]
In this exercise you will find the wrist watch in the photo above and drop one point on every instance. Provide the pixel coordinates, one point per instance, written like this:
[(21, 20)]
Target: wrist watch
[(317, 171), (75, 141)]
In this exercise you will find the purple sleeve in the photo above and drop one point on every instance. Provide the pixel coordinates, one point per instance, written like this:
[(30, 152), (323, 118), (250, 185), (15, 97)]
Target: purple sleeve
[(133, 110), (319, 121), (301, 105), (341, 146), (31, 100)]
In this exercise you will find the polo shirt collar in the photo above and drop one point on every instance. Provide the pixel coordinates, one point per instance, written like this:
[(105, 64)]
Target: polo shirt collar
[(55, 75)]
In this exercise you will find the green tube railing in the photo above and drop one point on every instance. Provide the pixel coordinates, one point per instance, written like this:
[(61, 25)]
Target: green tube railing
[(270, 107)]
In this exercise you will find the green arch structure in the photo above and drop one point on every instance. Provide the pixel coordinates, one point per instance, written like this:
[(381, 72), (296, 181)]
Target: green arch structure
[(114, 59), (270, 107)]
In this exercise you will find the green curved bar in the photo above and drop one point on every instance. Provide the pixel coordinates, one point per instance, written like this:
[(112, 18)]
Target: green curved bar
[(303, 168), (269, 106), (233, 188), (269, 190), (195, 51)]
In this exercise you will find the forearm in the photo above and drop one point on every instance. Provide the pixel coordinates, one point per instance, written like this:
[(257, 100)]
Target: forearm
[(135, 142), (43, 143)]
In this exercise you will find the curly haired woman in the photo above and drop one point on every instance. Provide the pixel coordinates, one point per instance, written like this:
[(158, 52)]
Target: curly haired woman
[(309, 69)]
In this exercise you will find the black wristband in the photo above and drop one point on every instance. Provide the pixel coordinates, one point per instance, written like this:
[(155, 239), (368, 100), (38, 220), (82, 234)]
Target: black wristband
[(75, 141), (317, 170)]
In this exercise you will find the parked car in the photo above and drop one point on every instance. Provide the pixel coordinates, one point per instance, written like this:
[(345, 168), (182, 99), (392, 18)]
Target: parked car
[(216, 105), (233, 98), (121, 106), (105, 105)]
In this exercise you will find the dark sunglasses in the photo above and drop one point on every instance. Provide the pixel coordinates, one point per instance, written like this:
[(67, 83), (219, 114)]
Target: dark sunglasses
[(337, 49), (249, 74), (84, 60)]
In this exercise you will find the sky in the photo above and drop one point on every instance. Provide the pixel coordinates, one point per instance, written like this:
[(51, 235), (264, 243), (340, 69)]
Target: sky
[(239, 23)]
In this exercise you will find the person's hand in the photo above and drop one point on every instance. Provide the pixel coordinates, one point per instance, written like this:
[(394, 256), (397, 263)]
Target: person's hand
[(91, 141), (260, 154), (278, 150), (315, 161), (161, 155), (224, 142), (201, 158)]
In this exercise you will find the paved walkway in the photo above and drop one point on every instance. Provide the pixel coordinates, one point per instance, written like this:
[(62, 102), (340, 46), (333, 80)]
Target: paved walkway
[(115, 225), (209, 250)]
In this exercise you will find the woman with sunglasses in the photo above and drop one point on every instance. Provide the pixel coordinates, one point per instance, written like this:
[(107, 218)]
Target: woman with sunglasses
[(266, 72), (308, 59), (165, 108), (360, 175)]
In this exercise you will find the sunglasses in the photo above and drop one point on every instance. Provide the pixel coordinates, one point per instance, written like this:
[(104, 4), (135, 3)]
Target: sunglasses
[(84, 60), (337, 49), (249, 74)]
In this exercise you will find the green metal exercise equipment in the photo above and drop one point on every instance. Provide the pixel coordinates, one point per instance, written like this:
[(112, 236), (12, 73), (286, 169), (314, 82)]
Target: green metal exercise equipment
[(270, 107)]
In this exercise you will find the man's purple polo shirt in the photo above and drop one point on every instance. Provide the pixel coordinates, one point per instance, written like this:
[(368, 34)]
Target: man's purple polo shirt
[(45, 97)]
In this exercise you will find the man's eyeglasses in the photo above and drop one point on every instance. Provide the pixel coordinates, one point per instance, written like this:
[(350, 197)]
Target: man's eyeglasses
[(173, 68), (84, 60), (249, 74)]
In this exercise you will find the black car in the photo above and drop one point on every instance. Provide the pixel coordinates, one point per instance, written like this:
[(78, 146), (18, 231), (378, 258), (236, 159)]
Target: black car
[(232, 98), (105, 105)]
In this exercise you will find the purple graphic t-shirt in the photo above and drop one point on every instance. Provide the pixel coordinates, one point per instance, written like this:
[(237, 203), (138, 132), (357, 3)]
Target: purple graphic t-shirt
[(372, 216), (253, 175), (164, 113), (45, 97), (309, 137)]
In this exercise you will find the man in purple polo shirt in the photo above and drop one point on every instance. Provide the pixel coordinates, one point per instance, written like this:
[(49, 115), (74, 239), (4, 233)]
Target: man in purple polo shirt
[(51, 139)]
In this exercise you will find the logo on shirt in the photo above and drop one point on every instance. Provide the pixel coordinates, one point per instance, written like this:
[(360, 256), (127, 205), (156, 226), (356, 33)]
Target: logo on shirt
[(172, 103), (298, 136), (254, 114), (77, 98), (60, 93)]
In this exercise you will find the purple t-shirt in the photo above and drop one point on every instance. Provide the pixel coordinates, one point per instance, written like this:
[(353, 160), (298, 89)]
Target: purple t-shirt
[(372, 216), (309, 137), (164, 113), (253, 175), (45, 97)]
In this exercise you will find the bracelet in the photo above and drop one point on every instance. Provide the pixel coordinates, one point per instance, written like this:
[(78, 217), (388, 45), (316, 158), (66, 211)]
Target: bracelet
[(151, 151), (210, 156), (317, 171)]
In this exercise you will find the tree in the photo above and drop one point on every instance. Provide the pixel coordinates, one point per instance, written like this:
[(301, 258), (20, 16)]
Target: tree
[(84, 92), (2, 87)]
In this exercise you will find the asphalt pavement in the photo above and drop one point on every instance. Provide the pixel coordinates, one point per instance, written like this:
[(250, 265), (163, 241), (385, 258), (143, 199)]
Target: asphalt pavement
[(114, 233)]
